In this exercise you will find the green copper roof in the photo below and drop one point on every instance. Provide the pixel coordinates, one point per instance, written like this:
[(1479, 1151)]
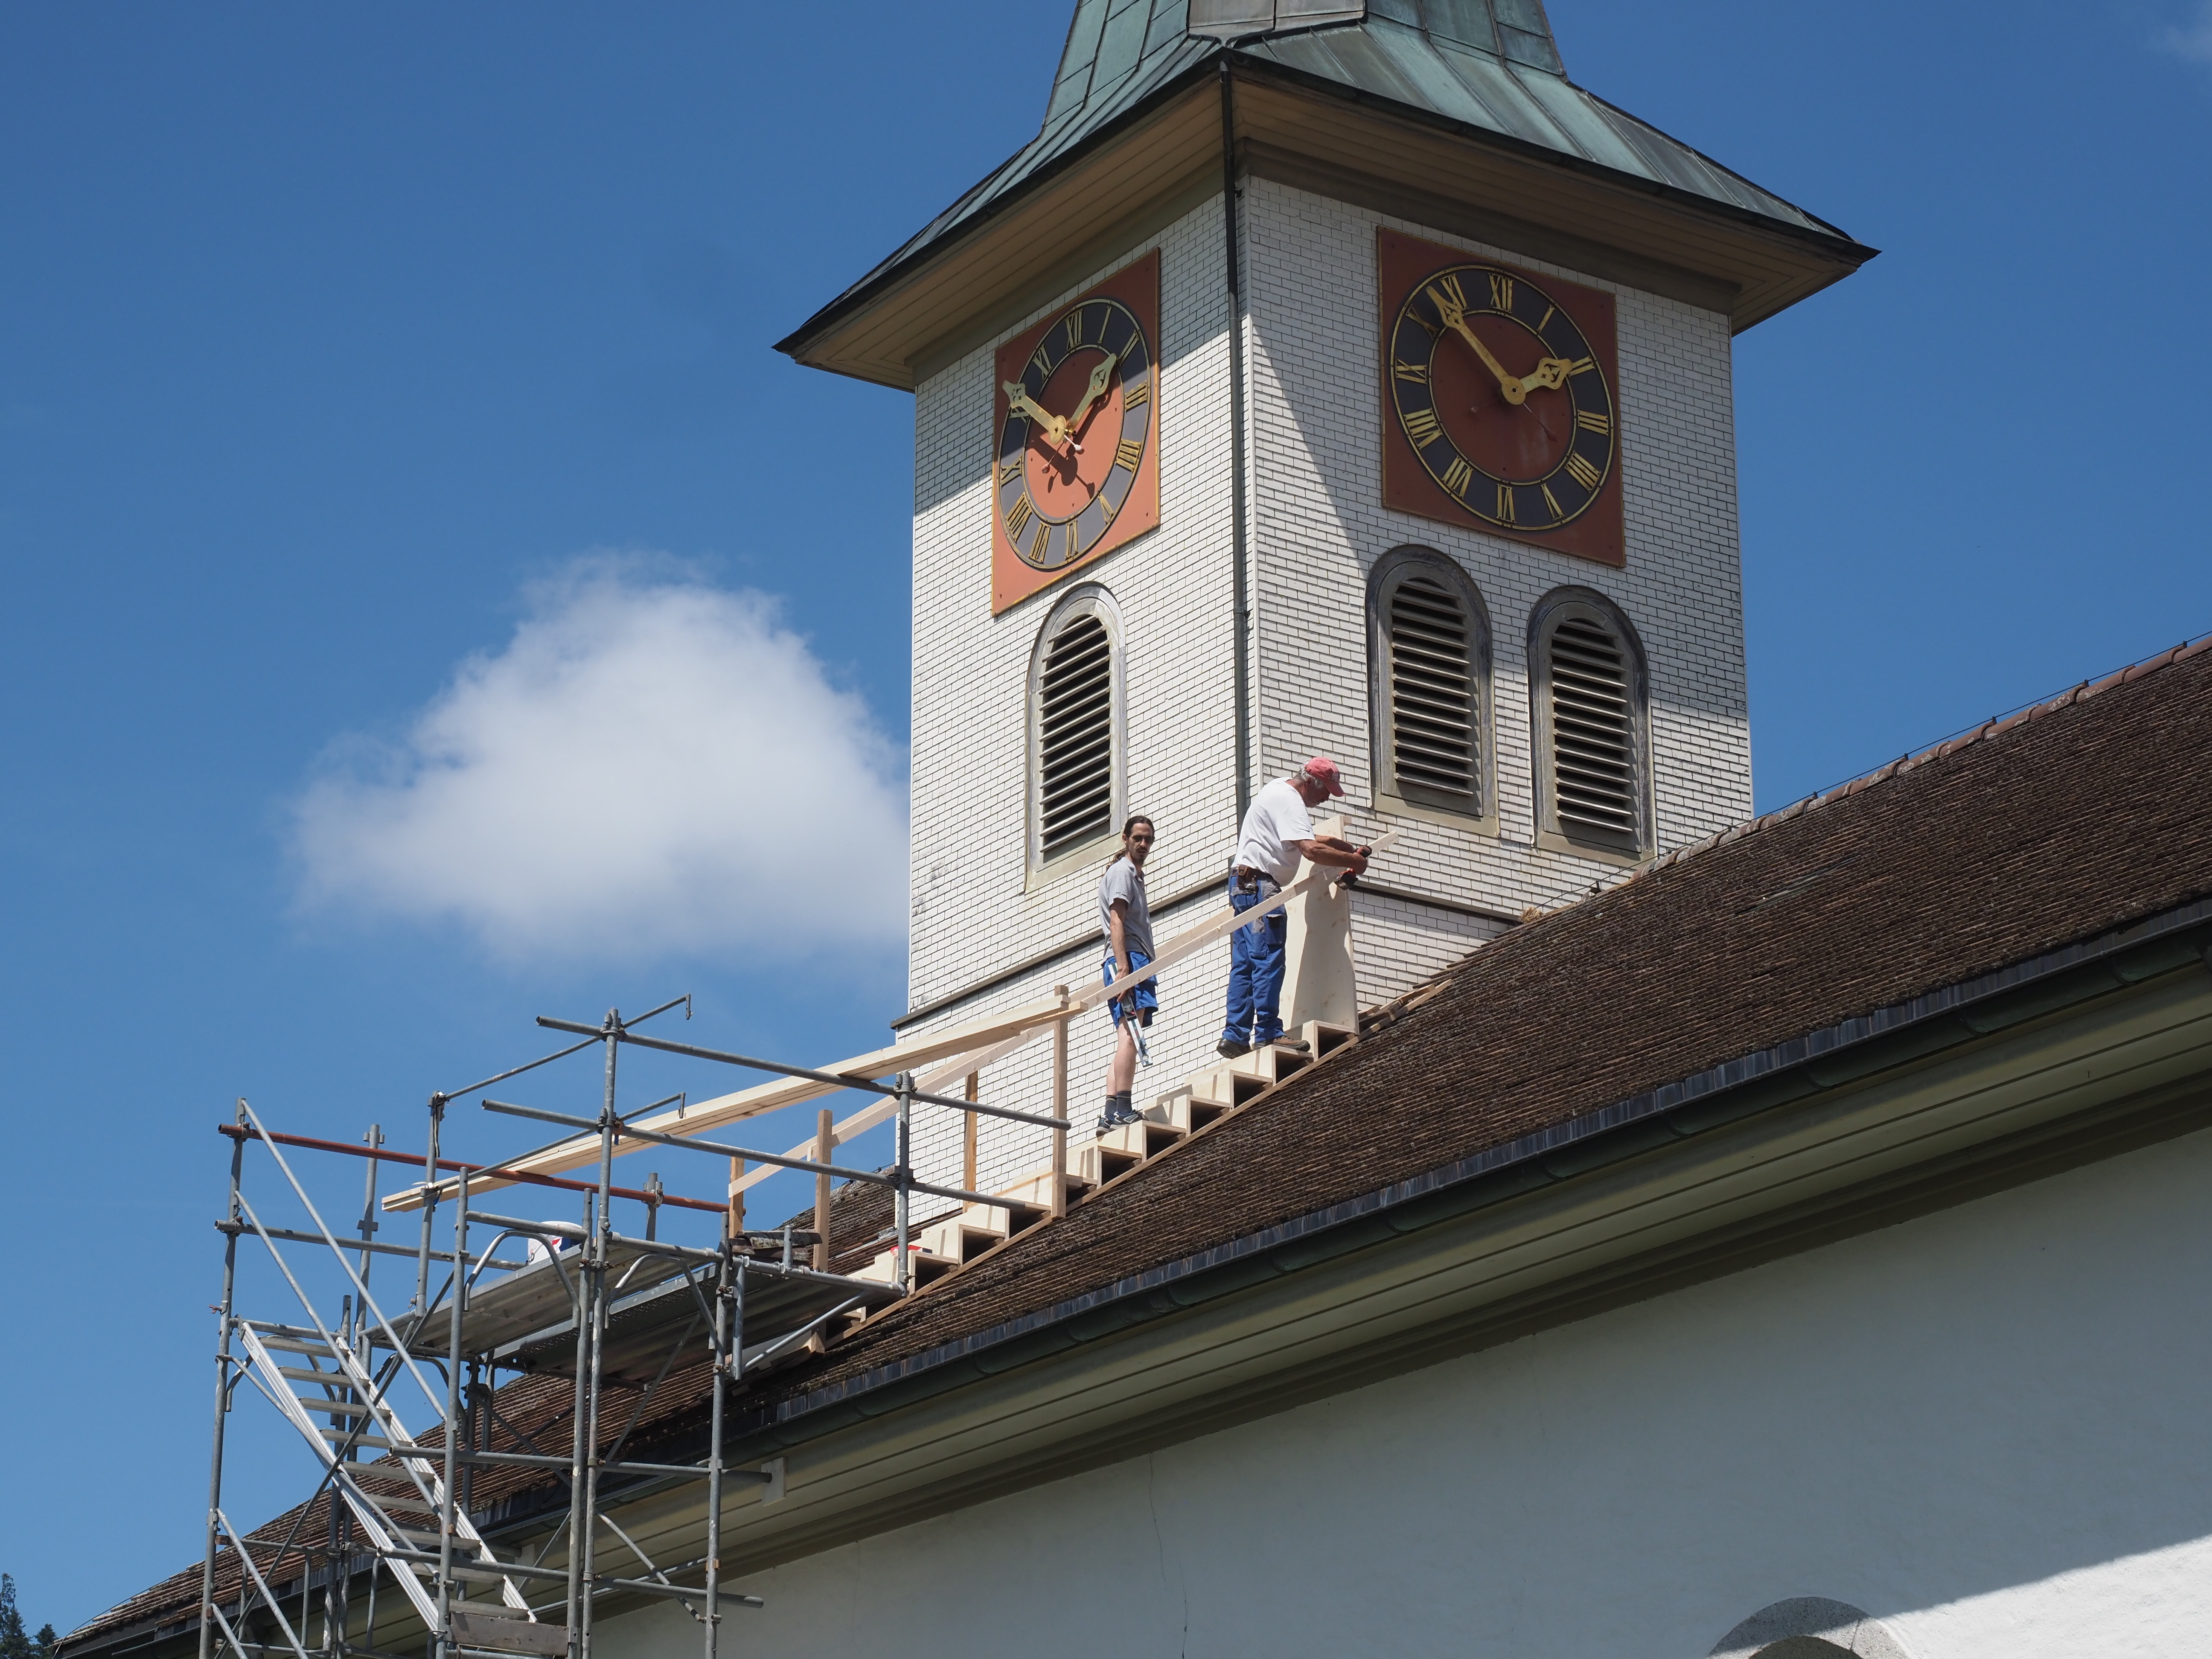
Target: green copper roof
[(1486, 65)]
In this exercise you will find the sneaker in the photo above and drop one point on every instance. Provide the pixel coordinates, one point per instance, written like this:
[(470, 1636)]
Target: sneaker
[(1126, 1114), (1230, 1049)]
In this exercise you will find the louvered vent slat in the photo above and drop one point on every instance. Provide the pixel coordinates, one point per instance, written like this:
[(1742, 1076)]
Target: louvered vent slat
[(1593, 733), (1434, 714), (1075, 739)]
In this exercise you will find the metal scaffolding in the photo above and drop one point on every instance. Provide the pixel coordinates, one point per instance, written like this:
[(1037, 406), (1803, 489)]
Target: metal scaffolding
[(583, 1303)]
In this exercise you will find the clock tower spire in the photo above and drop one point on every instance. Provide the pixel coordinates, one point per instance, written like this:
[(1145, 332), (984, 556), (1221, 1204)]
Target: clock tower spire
[(1320, 379)]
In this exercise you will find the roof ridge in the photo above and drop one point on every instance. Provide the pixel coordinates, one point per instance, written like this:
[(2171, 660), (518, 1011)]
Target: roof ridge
[(1995, 726)]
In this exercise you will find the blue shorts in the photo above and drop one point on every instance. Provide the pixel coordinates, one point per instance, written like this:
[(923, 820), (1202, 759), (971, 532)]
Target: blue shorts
[(1145, 996)]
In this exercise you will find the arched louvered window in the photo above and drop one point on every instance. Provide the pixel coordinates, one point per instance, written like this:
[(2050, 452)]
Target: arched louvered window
[(1592, 754), (1075, 728), (1430, 645)]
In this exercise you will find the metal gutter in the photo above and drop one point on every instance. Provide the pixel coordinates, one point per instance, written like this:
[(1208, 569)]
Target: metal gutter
[(1826, 1058)]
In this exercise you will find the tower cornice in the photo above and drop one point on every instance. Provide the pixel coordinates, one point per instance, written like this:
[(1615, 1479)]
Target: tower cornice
[(1376, 111)]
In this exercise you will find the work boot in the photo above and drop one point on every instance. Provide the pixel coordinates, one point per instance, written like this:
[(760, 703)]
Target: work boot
[(1231, 1048), (1294, 1045)]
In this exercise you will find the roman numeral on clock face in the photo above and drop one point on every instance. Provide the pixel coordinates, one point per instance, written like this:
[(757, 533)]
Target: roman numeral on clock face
[(1074, 329), (1552, 501), (1581, 471), (1594, 420), (1017, 517), (1504, 513), (1008, 473), (1453, 291), (1416, 374), (1036, 547), (1458, 475), (1141, 392), (1501, 291), (1421, 427), (1041, 361), (1129, 453)]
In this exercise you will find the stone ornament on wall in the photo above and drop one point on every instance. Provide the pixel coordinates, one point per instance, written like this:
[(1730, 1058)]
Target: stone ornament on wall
[(1809, 1627), (1500, 407), (1075, 418)]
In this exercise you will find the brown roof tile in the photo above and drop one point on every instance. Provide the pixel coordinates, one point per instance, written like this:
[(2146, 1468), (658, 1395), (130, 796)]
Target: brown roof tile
[(2009, 840)]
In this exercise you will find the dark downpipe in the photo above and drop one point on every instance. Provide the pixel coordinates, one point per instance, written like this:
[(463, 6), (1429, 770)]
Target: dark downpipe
[(1243, 597)]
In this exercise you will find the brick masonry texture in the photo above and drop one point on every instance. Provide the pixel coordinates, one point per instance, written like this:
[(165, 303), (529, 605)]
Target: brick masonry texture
[(1317, 528), (1320, 528)]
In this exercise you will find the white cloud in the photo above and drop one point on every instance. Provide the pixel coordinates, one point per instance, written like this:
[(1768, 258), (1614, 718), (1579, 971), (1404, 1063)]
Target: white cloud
[(651, 763), (2192, 40)]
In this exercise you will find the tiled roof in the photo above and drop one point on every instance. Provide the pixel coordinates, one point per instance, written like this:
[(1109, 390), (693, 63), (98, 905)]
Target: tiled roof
[(2022, 838)]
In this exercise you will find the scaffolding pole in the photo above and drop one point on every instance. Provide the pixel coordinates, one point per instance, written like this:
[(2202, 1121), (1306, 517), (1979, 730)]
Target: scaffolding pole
[(409, 1519)]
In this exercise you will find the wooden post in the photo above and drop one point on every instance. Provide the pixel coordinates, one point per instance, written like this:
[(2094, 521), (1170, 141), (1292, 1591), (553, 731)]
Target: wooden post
[(825, 1144), (734, 1223), (1059, 1106), (967, 1137)]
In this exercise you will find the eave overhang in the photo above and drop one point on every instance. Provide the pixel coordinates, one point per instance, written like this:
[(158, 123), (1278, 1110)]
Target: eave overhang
[(948, 295), (2084, 1052)]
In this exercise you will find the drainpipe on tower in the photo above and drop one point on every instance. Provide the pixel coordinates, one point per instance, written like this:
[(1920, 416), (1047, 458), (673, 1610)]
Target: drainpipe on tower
[(1242, 599)]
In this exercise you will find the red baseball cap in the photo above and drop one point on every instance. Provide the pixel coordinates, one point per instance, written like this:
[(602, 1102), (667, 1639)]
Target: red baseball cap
[(1322, 770)]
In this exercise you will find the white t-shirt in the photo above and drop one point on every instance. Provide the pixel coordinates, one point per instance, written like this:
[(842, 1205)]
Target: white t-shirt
[(1276, 818)]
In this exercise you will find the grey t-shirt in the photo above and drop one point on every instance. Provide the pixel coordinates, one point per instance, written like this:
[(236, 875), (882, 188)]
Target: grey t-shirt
[(1124, 881)]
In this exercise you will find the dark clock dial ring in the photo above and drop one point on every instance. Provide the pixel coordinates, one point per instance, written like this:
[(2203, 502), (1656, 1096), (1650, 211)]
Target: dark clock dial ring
[(1055, 500), (1534, 454)]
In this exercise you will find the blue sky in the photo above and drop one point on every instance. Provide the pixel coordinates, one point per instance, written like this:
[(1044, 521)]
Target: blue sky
[(379, 386)]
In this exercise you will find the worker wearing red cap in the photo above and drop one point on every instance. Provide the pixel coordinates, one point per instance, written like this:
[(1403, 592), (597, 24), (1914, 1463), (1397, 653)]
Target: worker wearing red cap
[(1278, 832)]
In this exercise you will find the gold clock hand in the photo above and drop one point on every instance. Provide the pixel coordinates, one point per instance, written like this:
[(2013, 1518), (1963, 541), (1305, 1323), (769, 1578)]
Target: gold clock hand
[(1021, 403), (1550, 376), (1099, 377), (1454, 317)]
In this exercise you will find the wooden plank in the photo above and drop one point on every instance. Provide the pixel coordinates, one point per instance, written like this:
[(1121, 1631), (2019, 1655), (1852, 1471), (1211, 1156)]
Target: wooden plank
[(478, 1630), (885, 1108), (953, 1051), (825, 1141), (968, 1135), (955, 1041), (1059, 1107)]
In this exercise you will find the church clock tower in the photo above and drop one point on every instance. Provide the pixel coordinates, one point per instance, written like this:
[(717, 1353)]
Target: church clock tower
[(1321, 379)]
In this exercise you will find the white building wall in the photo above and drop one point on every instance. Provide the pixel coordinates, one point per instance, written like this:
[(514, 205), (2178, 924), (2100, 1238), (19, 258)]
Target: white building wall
[(974, 910), (1320, 527), (1317, 528), (1984, 1427)]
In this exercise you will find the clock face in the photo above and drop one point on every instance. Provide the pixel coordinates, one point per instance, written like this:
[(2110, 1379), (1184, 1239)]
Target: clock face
[(1076, 430), (1075, 463), (1501, 400)]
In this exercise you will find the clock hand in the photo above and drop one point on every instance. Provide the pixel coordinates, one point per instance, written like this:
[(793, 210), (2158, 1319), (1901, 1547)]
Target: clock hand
[(1099, 377), (1455, 320), (1550, 374), (1021, 403)]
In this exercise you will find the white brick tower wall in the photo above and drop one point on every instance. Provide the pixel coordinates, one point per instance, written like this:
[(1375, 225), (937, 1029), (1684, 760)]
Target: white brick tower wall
[(1317, 528)]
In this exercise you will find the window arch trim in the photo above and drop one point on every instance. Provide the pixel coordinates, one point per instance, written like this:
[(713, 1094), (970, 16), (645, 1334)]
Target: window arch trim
[(1561, 605), (1383, 582), (1093, 600)]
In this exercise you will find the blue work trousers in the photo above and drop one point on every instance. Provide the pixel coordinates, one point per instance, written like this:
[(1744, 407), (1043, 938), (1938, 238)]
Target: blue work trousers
[(1256, 958)]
